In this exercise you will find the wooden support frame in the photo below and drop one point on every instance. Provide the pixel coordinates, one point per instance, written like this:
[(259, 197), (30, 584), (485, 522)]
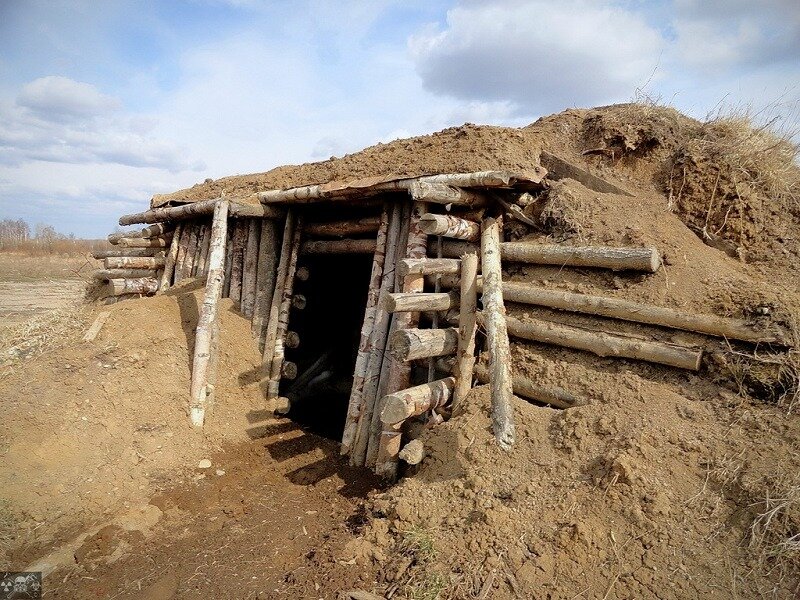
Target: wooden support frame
[(450, 226), (237, 260), (207, 333), (265, 278), (467, 328), (169, 263), (249, 269)]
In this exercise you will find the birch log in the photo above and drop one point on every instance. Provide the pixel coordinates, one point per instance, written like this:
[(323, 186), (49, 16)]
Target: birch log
[(249, 272), (355, 405), (183, 246), (169, 262), (494, 313), (237, 258), (399, 371), (123, 273), (399, 406), (185, 211), (358, 448), (114, 238), (226, 286), (441, 193), (342, 229), (283, 317), (429, 266), (525, 388), (134, 262), (142, 285), (451, 227), (123, 252), (205, 248), (467, 327), (157, 229), (338, 247), (191, 251), (271, 331), (155, 242), (414, 344), (202, 389), (605, 344), (265, 278), (420, 302), (616, 259)]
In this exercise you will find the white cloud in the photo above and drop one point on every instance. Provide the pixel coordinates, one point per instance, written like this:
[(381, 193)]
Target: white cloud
[(58, 120), (540, 55)]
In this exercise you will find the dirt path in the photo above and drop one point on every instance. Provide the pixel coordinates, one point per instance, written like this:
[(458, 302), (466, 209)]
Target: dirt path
[(266, 520)]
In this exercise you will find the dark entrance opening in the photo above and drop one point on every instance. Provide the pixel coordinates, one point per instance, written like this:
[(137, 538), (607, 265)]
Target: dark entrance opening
[(329, 328)]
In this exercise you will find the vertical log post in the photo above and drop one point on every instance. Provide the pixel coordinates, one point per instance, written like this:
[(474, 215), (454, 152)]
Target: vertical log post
[(226, 287), (169, 264), (202, 389), (400, 372), (237, 258), (183, 246), (277, 296), (494, 314), (265, 279), (283, 318), (465, 357), (205, 248), (191, 251), (249, 269), (355, 405)]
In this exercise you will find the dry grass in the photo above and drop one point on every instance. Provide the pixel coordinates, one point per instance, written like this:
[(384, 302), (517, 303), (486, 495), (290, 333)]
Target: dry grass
[(59, 247)]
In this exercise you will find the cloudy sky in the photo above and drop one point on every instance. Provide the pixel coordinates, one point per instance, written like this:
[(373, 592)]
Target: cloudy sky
[(103, 104)]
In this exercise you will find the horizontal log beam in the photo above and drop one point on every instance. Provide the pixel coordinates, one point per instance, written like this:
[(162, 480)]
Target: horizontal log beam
[(428, 266), (106, 274), (441, 193), (101, 254), (450, 226), (526, 388), (134, 262), (338, 247), (143, 285), (399, 406), (196, 209), (419, 302), (414, 344), (343, 229), (157, 229), (604, 344), (114, 238), (156, 242), (253, 211)]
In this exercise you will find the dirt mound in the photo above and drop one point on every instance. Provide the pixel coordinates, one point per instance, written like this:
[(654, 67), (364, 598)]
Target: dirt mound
[(93, 428)]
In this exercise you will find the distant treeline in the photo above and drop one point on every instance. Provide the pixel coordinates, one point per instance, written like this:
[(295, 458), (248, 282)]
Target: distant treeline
[(16, 236)]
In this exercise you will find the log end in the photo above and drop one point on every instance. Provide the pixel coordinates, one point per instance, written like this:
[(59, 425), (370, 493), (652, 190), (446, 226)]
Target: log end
[(655, 259), (395, 410)]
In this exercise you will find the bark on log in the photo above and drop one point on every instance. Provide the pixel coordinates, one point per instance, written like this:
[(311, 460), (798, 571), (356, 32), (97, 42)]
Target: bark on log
[(155, 242), (467, 327), (142, 285), (253, 211), (277, 296), (420, 302), (249, 272), (400, 371), (283, 318), (494, 313), (183, 247), (207, 333), (338, 247), (451, 227), (157, 229), (343, 229), (226, 286), (616, 259), (117, 252), (441, 193), (372, 376), (355, 405), (123, 273), (413, 452), (638, 313), (292, 340), (205, 247), (237, 264), (169, 262), (186, 211), (114, 238), (605, 344), (191, 251), (429, 266), (399, 406), (525, 388), (414, 344), (134, 262), (456, 248), (265, 279)]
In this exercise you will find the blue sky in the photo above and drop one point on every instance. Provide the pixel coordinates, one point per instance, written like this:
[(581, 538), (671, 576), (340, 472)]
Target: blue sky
[(103, 104)]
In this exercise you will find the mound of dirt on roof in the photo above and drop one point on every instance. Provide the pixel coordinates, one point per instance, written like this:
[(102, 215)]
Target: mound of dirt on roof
[(94, 428)]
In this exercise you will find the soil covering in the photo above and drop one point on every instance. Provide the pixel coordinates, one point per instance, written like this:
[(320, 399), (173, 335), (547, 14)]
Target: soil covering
[(664, 484)]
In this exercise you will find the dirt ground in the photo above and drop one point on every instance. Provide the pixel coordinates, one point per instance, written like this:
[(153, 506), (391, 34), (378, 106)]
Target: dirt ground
[(662, 484)]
